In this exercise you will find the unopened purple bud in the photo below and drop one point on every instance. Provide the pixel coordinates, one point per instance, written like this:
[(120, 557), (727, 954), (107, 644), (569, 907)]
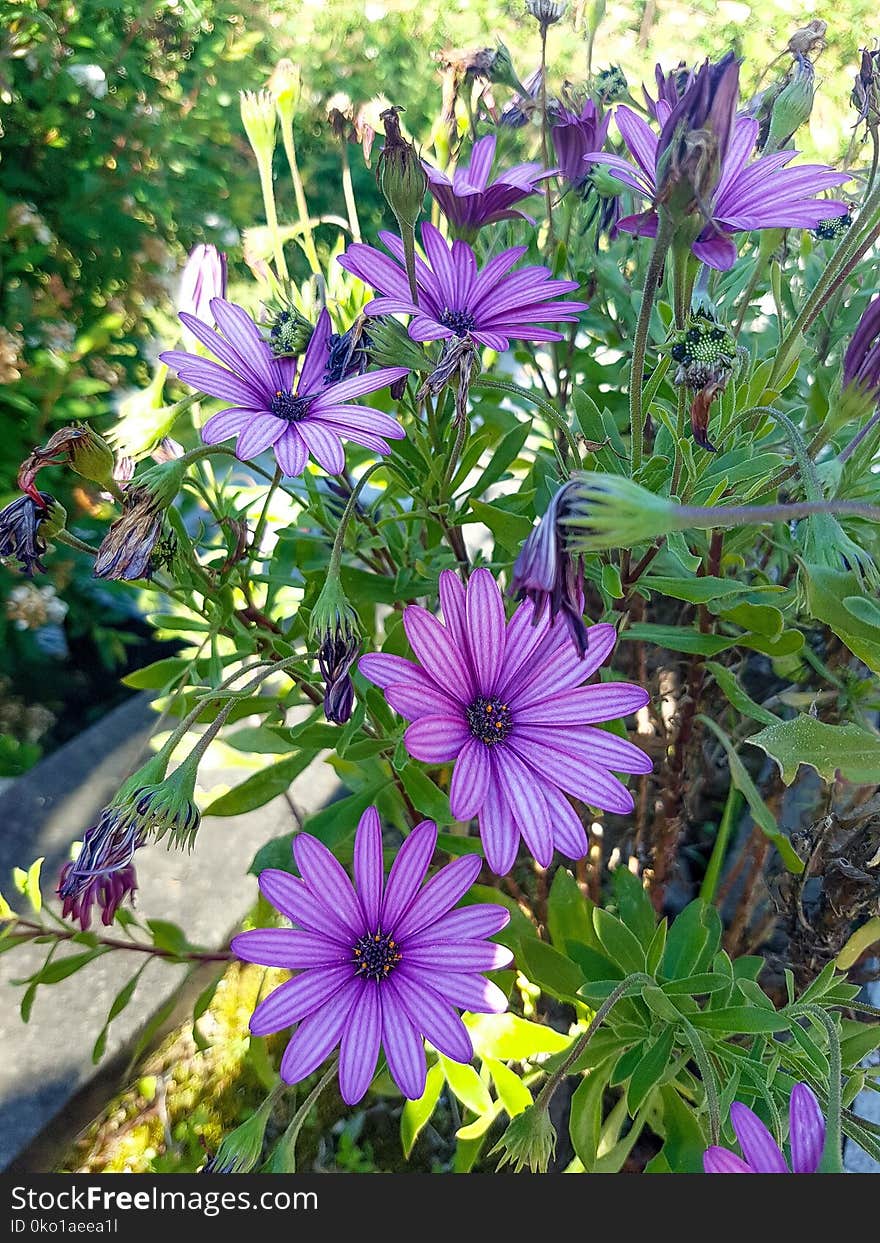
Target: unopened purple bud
[(548, 575)]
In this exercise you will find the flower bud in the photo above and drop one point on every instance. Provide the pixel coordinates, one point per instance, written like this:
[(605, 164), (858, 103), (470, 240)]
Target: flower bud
[(242, 1148), (546, 12), (23, 530), (168, 806), (258, 119), (400, 174), (611, 85), (792, 105), (392, 346), (204, 277), (502, 71), (865, 96), (529, 1141), (289, 333), (547, 574), (695, 137), (77, 446), (612, 511), (335, 626), (103, 871), (285, 87)]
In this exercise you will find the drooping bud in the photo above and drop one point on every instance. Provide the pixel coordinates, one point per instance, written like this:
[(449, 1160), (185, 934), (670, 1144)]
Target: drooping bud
[(168, 806), (103, 872), (548, 575), (529, 1141), (612, 511), (335, 627), (258, 119), (808, 39), (392, 346), (399, 172), (705, 354), (866, 90), (791, 107), (502, 72), (77, 446), (859, 395), (25, 527)]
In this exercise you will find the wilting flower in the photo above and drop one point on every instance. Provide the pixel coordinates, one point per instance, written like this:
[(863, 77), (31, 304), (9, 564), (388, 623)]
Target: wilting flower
[(203, 278), (671, 86), (763, 194), (695, 136), (348, 353), (705, 355), (25, 525), (515, 114), (469, 200), (546, 12), (505, 700), (133, 547), (103, 872), (806, 1134), (574, 134), (375, 967), (277, 402), (77, 446), (456, 299), (866, 90), (549, 576)]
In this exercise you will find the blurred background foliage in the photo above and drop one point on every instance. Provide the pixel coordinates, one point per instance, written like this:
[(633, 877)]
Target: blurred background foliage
[(121, 147)]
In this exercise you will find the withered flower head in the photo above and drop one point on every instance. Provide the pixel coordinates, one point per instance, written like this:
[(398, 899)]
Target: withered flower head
[(25, 526), (546, 12), (399, 172), (809, 38), (696, 135), (77, 446), (103, 872), (705, 351), (866, 90)]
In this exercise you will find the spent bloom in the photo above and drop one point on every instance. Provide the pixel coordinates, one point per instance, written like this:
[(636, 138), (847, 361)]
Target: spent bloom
[(103, 872), (378, 963), (671, 86), (574, 134), (25, 527), (505, 701), (469, 199), (456, 299), (860, 391), (276, 401), (763, 194), (806, 1135)]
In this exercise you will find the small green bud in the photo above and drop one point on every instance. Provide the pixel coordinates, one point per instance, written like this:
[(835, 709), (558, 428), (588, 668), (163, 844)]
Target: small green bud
[(168, 806), (611, 511), (92, 458), (400, 174), (242, 1148), (258, 119), (289, 333), (502, 71), (604, 182), (792, 106), (285, 88), (55, 520), (392, 346), (529, 1141)]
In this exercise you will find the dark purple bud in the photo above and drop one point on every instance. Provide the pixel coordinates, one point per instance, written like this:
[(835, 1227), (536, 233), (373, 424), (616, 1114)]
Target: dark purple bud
[(24, 529), (103, 872), (671, 86), (696, 135), (574, 134), (550, 576), (336, 656)]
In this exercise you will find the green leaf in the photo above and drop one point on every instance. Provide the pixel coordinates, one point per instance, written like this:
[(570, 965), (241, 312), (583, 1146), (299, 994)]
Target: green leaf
[(741, 1020), (634, 906), (619, 943), (829, 749), (60, 968), (508, 1038), (650, 1069), (685, 1141), (737, 696), (416, 1114), (510, 530), (685, 942), (169, 937), (425, 796), (700, 590), (28, 883), (512, 1092), (550, 970), (338, 821), (159, 675), (467, 1085), (568, 912), (585, 1116), (262, 787), (678, 638)]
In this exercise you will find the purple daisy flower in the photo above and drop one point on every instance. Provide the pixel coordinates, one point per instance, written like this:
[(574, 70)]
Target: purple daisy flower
[(505, 700), (574, 134), (763, 194), (277, 401), (456, 299), (375, 967), (762, 1154), (469, 200)]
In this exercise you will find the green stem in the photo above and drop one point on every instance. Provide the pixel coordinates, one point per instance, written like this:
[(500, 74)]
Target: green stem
[(705, 517), (65, 537), (285, 1152), (637, 372), (302, 206), (719, 847), (268, 189), (701, 1057), (351, 504), (408, 237), (552, 414), (545, 157), (832, 1155)]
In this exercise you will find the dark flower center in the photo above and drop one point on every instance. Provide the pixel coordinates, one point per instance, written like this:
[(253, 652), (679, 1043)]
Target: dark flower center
[(376, 955), (489, 720), (461, 322), (285, 405)]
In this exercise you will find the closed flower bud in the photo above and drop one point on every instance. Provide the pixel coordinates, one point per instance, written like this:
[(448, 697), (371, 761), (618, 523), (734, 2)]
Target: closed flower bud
[(502, 72), (285, 87), (242, 1148), (546, 12), (529, 1141), (392, 346), (695, 138), (258, 119), (168, 806), (792, 106), (77, 446), (865, 96), (400, 174), (612, 511), (335, 626), (547, 574)]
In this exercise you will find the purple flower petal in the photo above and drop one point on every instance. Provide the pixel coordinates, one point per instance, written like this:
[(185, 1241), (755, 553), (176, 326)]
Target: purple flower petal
[(359, 1050), (806, 1130), (759, 1147), (585, 705), (431, 643), (720, 1161), (323, 444), (314, 362), (382, 668), (527, 805), (485, 623), (462, 957), (470, 992), (469, 923), (470, 780), (260, 433), (294, 899), (368, 867), (569, 834), (436, 739), (318, 1035), (499, 832), (299, 998), (288, 947), (596, 746), (291, 452), (417, 701), (407, 873), (440, 894), (328, 880), (434, 1017), (404, 1047), (226, 423)]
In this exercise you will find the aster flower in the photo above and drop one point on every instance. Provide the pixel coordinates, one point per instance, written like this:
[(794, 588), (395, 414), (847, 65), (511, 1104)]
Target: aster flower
[(574, 134), (378, 963), (763, 194), (505, 700), (806, 1133), (274, 401), (23, 529), (103, 873), (456, 299), (470, 200)]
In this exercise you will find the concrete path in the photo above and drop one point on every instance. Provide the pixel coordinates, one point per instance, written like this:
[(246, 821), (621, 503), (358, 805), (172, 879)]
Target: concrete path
[(48, 1061)]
